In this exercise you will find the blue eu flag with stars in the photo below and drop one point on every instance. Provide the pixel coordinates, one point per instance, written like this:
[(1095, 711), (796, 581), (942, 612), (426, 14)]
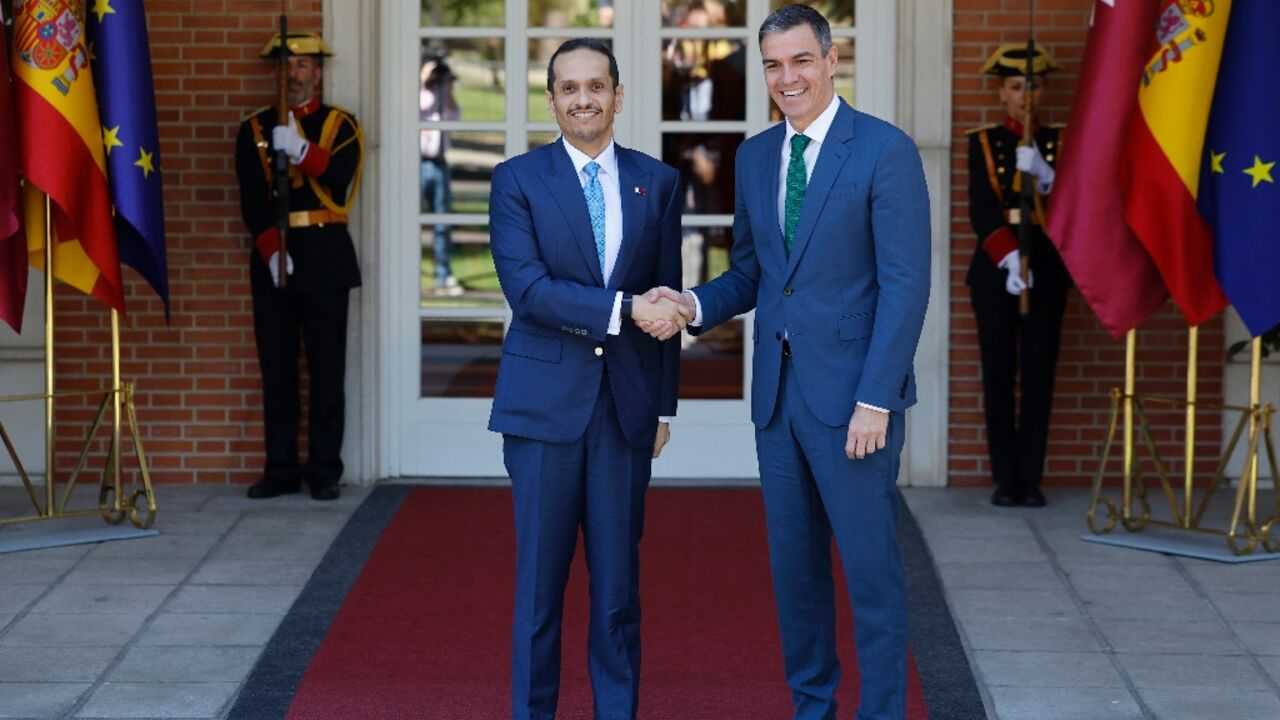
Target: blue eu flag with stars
[(1239, 197), (121, 58)]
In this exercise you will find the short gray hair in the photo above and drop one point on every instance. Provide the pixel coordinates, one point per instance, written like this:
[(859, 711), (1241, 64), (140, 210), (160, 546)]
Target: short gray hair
[(790, 16)]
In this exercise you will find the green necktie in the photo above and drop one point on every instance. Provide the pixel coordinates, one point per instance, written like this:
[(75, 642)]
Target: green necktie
[(797, 180)]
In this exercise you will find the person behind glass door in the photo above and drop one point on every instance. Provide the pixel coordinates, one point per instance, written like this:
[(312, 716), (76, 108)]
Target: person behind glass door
[(436, 103)]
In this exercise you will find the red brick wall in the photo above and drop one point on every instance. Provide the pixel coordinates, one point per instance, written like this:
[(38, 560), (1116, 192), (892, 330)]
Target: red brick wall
[(1091, 363), (198, 388)]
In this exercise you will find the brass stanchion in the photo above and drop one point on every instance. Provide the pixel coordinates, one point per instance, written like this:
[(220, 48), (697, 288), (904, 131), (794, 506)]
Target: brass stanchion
[(1189, 446), (1130, 363), (48, 358)]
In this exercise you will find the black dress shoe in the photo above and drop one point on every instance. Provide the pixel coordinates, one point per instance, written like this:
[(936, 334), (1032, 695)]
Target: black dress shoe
[(1003, 498), (325, 492), (1034, 498), (271, 488)]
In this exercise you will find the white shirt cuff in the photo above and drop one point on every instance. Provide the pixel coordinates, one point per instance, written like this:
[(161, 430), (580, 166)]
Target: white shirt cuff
[(615, 319), (872, 407), (697, 310), (666, 418)]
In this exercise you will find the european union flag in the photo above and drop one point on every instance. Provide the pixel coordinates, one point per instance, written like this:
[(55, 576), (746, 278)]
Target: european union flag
[(121, 60), (1239, 197)]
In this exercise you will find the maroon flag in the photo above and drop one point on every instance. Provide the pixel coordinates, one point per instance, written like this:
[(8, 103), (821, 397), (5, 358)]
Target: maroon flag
[(13, 244), (1086, 221)]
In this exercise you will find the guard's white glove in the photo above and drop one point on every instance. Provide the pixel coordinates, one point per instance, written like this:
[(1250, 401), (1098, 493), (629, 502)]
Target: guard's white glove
[(273, 265), (1031, 161), (1013, 283), (288, 139)]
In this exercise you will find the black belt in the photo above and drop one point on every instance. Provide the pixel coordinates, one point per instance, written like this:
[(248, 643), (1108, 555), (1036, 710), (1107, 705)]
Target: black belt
[(786, 348)]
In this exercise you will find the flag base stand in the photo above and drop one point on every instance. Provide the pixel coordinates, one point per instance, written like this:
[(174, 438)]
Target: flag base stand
[(1244, 533)]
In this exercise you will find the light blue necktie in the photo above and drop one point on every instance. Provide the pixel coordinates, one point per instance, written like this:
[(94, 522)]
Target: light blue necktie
[(595, 206)]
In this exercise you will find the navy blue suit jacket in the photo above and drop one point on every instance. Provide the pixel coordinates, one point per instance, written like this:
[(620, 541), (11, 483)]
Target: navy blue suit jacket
[(545, 255), (853, 293)]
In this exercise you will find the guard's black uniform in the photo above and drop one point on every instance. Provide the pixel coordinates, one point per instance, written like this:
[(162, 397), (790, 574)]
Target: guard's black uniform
[(1010, 343), (315, 297)]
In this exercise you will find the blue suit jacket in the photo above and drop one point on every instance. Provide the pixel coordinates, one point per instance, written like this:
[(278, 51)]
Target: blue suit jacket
[(545, 255), (853, 293)]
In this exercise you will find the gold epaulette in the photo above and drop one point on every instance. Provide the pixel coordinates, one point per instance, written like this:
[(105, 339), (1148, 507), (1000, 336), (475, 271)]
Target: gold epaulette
[(980, 128), (257, 112)]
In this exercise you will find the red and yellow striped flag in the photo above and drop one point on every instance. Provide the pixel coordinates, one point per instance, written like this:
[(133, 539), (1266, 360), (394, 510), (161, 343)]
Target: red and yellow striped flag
[(1160, 171), (61, 148)]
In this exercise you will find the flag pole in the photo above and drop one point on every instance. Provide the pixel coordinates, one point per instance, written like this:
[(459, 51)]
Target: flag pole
[(1130, 351), (48, 357), (1255, 404), (116, 390), (1189, 451)]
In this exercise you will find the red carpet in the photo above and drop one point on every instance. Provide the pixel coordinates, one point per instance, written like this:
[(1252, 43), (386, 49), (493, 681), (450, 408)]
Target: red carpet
[(425, 630)]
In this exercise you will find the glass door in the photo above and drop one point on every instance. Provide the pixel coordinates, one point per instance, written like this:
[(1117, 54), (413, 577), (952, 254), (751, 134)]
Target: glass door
[(474, 96)]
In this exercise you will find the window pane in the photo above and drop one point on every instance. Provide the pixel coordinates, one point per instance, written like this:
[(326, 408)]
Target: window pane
[(571, 13), (838, 12), (468, 70), (711, 363), (540, 52), (460, 356), (846, 72), (703, 79), (457, 267), (704, 13), (538, 139), (456, 170), (705, 161), (471, 13)]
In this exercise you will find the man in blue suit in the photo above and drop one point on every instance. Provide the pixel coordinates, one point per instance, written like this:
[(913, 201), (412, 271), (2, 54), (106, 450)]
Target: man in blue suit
[(583, 395), (831, 247)]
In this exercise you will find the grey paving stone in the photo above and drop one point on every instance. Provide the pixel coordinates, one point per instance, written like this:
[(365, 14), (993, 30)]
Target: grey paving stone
[(1091, 552), (193, 522), (1272, 666), (1215, 703), (139, 571), (1001, 668), (185, 664), (1192, 671), (54, 664), (967, 549), (1142, 606), (210, 630), (254, 572), (998, 576), (1003, 529), (1093, 579), (1009, 603), (84, 630), (294, 523), (1060, 634), (1168, 636), (165, 545), (28, 568), (1261, 638), (39, 700), (120, 599), (14, 598), (1246, 607), (261, 546), (158, 700), (274, 599), (1243, 577), (1017, 703)]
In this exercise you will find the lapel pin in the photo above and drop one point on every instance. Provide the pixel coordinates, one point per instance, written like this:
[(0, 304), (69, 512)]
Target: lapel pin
[(641, 191)]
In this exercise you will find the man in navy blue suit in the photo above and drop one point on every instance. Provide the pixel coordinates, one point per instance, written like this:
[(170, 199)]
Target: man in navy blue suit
[(584, 396), (831, 247)]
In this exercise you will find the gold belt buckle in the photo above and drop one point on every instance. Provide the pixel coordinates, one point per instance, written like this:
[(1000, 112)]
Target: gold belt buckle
[(1015, 216)]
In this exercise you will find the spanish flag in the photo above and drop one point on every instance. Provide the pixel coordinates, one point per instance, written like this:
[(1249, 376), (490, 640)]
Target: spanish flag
[(1160, 170), (61, 148)]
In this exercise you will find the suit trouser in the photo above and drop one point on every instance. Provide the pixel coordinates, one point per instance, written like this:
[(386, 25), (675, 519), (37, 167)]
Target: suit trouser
[(812, 491), (1011, 345), (322, 318), (596, 482)]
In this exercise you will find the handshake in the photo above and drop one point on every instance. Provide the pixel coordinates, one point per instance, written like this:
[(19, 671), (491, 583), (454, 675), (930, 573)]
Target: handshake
[(663, 312)]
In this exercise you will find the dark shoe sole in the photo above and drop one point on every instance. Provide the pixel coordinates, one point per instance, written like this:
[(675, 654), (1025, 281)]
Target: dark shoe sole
[(263, 491)]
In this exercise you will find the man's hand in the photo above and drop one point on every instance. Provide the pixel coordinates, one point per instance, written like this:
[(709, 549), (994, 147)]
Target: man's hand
[(664, 437), (1031, 161), (288, 139), (1013, 283), (664, 328), (273, 264), (867, 429), (661, 315)]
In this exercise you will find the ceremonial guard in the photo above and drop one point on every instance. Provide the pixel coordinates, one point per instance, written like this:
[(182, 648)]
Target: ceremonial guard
[(1012, 344), (302, 266)]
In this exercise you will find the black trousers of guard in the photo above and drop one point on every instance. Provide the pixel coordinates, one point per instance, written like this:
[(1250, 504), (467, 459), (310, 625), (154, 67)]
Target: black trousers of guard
[(319, 320), (1011, 346)]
